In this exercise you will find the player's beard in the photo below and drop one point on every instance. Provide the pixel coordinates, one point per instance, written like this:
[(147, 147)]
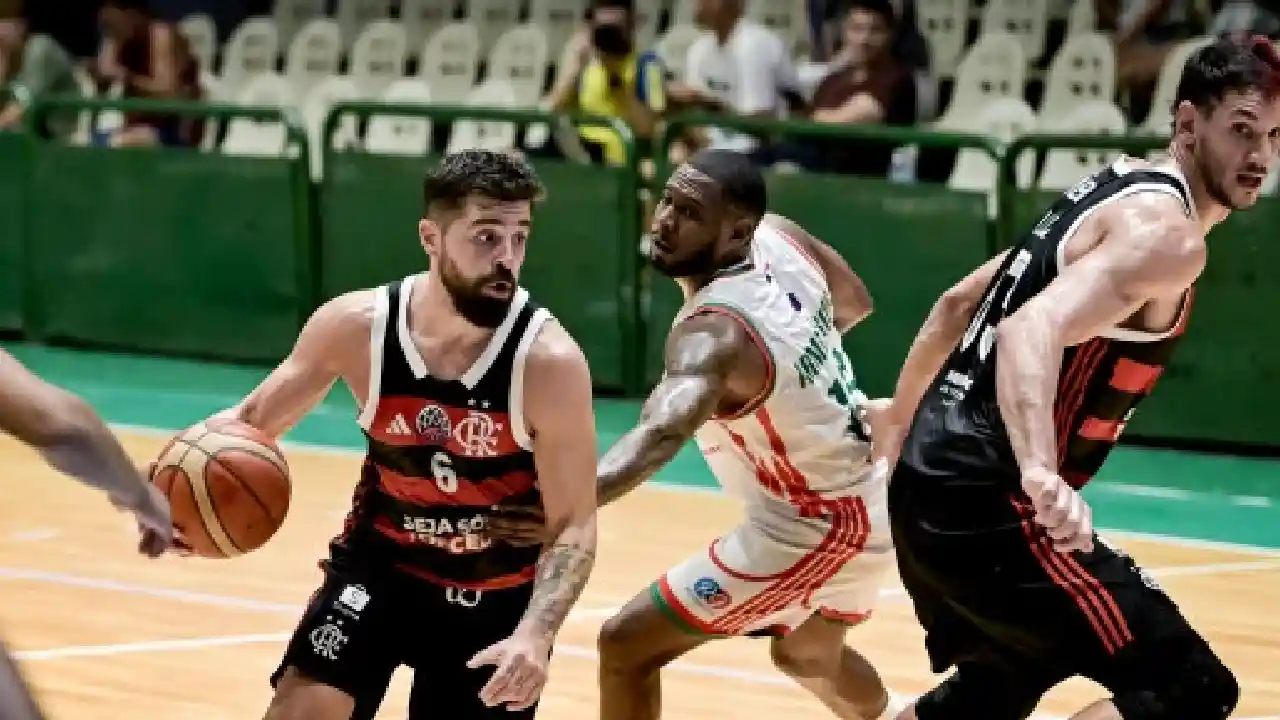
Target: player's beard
[(469, 298), (1212, 179), (701, 262)]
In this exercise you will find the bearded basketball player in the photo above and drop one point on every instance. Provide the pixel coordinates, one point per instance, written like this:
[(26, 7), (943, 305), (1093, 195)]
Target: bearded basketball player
[(469, 393), (72, 439), (1066, 333), (755, 371)]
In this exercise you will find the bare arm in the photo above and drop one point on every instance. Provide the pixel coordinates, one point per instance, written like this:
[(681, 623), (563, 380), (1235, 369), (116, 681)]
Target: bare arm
[(701, 354), (1149, 251), (301, 381), (938, 336), (72, 437), (849, 295), (562, 423), (862, 108)]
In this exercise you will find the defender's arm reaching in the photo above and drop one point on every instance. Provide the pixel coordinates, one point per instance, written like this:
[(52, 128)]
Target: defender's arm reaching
[(72, 438), (702, 353)]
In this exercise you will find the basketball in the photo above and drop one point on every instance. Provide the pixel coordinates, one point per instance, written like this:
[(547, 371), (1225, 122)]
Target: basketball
[(228, 485)]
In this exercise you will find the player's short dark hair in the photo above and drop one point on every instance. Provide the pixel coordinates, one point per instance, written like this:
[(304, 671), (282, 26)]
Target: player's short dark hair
[(1229, 65), (740, 181), (487, 173)]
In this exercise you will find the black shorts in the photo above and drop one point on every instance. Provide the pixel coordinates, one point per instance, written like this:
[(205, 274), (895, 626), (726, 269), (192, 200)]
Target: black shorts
[(1015, 617), (359, 628)]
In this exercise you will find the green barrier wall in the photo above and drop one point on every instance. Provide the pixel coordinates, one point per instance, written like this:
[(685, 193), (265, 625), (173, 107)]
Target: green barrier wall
[(908, 243), (580, 259), (12, 179), (171, 252)]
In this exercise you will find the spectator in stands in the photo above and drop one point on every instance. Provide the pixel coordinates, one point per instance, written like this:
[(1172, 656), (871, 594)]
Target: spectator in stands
[(866, 85), (150, 59), (607, 76), (34, 64), (739, 67), (1243, 18), (1146, 31)]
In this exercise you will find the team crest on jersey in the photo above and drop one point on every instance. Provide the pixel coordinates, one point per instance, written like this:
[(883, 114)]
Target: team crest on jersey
[(433, 424), (709, 591), (477, 435)]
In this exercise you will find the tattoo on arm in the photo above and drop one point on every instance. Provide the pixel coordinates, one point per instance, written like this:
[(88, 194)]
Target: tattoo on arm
[(561, 574), (701, 355)]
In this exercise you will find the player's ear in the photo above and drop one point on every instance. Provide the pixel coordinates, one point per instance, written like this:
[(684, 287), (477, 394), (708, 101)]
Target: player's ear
[(1185, 117), (742, 229), (430, 235)]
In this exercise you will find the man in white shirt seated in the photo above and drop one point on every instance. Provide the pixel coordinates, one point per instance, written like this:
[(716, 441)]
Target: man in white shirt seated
[(737, 67)]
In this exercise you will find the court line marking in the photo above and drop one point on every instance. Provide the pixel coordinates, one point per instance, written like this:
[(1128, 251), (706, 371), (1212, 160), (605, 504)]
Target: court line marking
[(745, 676), (659, 484)]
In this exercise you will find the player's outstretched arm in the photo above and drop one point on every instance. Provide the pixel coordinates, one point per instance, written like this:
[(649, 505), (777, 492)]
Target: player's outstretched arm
[(557, 408), (1149, 250), (335, 332), (74, 440), (938, 336), (849, 295), (701, 354)]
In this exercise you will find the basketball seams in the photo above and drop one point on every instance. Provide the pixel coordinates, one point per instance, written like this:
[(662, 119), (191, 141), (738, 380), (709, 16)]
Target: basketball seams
[(204, 499), (213, 470), (180, 467), (248, 488)]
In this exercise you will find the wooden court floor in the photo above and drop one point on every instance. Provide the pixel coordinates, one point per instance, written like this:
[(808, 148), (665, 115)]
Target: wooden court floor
[(106, 634)]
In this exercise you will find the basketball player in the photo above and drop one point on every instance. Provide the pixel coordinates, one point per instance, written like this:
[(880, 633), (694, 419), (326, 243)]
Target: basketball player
[(71, 437), (1066, 333), (470, 394), (754, 371)]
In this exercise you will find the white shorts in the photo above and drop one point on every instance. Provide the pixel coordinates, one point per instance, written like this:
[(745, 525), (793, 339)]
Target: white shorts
[(770, 574)]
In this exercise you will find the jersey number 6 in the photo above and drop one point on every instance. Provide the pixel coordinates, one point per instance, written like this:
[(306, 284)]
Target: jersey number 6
[(442, 471)]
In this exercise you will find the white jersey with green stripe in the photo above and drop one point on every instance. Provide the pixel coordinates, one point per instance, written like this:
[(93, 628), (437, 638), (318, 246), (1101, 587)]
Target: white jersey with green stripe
[(800, 443)]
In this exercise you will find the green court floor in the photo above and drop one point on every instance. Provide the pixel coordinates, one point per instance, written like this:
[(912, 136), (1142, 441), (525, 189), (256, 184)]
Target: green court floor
[(1195, 496)]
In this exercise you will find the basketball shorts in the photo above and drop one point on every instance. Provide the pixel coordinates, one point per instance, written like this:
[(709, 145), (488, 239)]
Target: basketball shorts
[(1014, 617), (358, 629), (771, 573)]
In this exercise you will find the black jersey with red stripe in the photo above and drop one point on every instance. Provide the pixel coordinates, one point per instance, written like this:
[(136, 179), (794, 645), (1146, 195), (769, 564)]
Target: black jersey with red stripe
[(441, 453), (958, 442)]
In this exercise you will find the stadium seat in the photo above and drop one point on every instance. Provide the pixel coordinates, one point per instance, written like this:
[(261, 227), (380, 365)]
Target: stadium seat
[(401, 135), (252, 50), (314, 54), (1083, 69), (519, 58), (378, 56), (1025, 20), (1064, 168), (993, 68), (450, 62)]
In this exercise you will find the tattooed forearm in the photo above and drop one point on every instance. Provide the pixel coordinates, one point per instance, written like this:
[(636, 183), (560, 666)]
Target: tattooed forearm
[(562, 573)]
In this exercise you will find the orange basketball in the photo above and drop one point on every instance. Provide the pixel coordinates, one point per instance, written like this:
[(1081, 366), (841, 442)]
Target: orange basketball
[(228, 485)]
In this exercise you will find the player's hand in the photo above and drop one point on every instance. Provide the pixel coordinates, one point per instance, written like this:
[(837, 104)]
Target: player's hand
[(886, 431), (522, 661), (155, 521), (518, 525), (1060, 510)]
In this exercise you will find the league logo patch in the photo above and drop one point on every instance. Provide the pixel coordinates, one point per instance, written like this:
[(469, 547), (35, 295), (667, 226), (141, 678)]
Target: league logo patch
[(709, 592), (433, 424)]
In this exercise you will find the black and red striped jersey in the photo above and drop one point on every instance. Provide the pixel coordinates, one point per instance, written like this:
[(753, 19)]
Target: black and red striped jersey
[(958, 436), (441, 453)]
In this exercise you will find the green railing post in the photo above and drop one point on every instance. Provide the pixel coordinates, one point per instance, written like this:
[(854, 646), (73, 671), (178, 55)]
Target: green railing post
[(1008, 192), (627, 205)]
